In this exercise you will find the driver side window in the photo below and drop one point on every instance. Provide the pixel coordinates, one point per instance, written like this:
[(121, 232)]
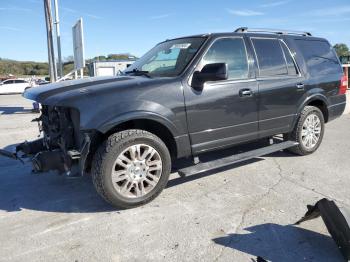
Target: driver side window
[(231, 51)]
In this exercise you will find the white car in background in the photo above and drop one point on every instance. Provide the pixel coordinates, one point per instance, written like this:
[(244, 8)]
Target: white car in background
[(13, 86)]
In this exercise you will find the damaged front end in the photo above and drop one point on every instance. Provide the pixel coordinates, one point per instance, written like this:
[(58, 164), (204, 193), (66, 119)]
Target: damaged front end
[(63, 147)]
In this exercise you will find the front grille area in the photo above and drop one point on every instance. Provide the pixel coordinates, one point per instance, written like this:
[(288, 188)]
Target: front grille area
[(58, 128)]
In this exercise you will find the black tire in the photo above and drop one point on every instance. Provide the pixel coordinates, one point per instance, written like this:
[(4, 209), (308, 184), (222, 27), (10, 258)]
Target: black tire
[(295, 135), (106, 155)]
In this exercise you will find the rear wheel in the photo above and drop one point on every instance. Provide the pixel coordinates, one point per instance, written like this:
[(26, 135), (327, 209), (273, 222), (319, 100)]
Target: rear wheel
[(308, 131), (131, 168)]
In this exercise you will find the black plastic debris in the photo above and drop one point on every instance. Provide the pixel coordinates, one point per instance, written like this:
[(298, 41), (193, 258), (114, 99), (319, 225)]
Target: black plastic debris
[(337, 221), (259, 259), (10, 155)]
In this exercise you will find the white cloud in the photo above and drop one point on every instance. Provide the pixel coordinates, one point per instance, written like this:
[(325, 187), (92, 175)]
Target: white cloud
[(10, 28), (331, 11), (70, 10), (35, 1), (162, 16), (15, 8), (93, 16), (277, 3), (244, 12), (73, 11)]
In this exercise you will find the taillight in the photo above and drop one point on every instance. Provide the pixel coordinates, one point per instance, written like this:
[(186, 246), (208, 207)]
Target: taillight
[(343, 85)]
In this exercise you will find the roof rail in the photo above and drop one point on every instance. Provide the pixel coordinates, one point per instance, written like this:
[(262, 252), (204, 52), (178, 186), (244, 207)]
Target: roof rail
[(273, 31)]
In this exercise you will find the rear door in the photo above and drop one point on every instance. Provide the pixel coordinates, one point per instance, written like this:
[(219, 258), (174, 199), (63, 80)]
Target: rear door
[(281, 85), (20, 85)]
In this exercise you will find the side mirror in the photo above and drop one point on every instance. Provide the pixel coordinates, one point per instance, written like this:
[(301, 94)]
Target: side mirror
[(210, 72)]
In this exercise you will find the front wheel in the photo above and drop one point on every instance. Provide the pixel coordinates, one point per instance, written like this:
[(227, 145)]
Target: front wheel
[(131, 168), (308, 131)]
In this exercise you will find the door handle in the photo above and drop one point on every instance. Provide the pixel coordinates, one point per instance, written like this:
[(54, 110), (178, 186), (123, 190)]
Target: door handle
[(300, 86), (245, 92)]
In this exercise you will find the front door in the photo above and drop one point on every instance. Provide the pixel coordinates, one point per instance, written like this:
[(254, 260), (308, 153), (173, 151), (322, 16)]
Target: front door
[(224, 112), (7, 87)]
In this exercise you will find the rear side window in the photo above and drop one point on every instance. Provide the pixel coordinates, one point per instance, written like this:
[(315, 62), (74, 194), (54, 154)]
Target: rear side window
[(270, 57), (319, 56), (232, 52), (292, 69), (19, 81)]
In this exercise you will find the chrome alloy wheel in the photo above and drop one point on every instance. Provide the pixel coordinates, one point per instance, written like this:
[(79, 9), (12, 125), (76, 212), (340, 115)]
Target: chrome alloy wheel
[(311, 131), (137, 171)]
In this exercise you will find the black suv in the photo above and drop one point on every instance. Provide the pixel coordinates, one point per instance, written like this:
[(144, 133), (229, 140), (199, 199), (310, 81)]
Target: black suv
[(184, 97)]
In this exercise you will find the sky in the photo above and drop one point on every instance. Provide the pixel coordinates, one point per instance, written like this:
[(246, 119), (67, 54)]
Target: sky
[(114, 26)]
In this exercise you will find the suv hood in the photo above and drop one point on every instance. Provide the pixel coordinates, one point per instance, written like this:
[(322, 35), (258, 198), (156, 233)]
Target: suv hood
[(56, 93)]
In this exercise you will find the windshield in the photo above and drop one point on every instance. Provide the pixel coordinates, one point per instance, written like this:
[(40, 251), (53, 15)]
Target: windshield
[(168, 58)]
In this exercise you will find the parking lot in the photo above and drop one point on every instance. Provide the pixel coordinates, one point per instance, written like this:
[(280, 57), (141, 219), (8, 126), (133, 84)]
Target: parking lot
[(235, 214)]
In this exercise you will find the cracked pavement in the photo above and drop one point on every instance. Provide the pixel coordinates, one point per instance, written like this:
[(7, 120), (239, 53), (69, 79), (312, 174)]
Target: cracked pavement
[(234, 214)]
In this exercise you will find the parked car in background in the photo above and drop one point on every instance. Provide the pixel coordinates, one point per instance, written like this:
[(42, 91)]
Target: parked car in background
[(41, 82), (13, 86)]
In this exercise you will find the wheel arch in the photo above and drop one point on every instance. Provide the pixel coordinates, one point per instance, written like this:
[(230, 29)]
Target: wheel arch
[(320, 104), (156, 127), (318, 100)]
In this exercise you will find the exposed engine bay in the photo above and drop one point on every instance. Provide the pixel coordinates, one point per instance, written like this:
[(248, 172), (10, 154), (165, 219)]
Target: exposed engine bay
[(61, 147)]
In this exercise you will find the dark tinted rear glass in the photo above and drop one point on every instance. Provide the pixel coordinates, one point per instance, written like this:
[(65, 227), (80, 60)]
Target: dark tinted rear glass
[(319, 56), (292, 69), (270, 57)]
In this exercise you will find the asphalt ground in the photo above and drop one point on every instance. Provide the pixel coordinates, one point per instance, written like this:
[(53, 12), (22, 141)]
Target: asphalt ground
[(232, 214)]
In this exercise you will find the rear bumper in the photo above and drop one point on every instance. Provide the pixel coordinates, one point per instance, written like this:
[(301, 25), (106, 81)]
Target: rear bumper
[(336, 110)]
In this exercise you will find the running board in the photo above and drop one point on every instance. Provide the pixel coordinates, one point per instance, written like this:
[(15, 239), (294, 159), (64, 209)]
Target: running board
[(226, 161)]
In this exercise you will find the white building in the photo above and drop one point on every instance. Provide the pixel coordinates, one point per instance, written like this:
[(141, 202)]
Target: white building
[(108, 68)]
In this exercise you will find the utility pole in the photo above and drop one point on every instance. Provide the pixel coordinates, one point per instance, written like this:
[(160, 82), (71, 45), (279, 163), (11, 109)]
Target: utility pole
[(58, 35), (50, 48)]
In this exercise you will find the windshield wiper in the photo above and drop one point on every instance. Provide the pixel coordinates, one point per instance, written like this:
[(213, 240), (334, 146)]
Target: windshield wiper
[(137, 72)]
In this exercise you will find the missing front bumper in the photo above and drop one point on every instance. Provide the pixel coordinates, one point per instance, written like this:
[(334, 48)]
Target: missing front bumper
[(71, 162)]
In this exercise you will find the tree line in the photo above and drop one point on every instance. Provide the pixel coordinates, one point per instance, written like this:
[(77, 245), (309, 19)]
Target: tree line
[(29, 68), (342, 50)]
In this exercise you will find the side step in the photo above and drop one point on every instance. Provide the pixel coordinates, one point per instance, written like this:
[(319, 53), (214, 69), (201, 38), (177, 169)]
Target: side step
[(222, 162)]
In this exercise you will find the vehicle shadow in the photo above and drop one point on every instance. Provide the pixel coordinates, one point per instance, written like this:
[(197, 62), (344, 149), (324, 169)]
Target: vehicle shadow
[(275, 242), (20, 189), (50, 192), (9, 110)]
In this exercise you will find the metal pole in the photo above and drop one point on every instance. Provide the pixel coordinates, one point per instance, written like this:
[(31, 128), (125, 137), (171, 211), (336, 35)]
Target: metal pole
[(50, 48), (58, 36)]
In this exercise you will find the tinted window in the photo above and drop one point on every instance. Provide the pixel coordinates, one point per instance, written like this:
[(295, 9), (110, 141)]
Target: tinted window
[(232, 52), (19, 81), (292, 69), (8, 82), (270, 57), (319, 56)]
